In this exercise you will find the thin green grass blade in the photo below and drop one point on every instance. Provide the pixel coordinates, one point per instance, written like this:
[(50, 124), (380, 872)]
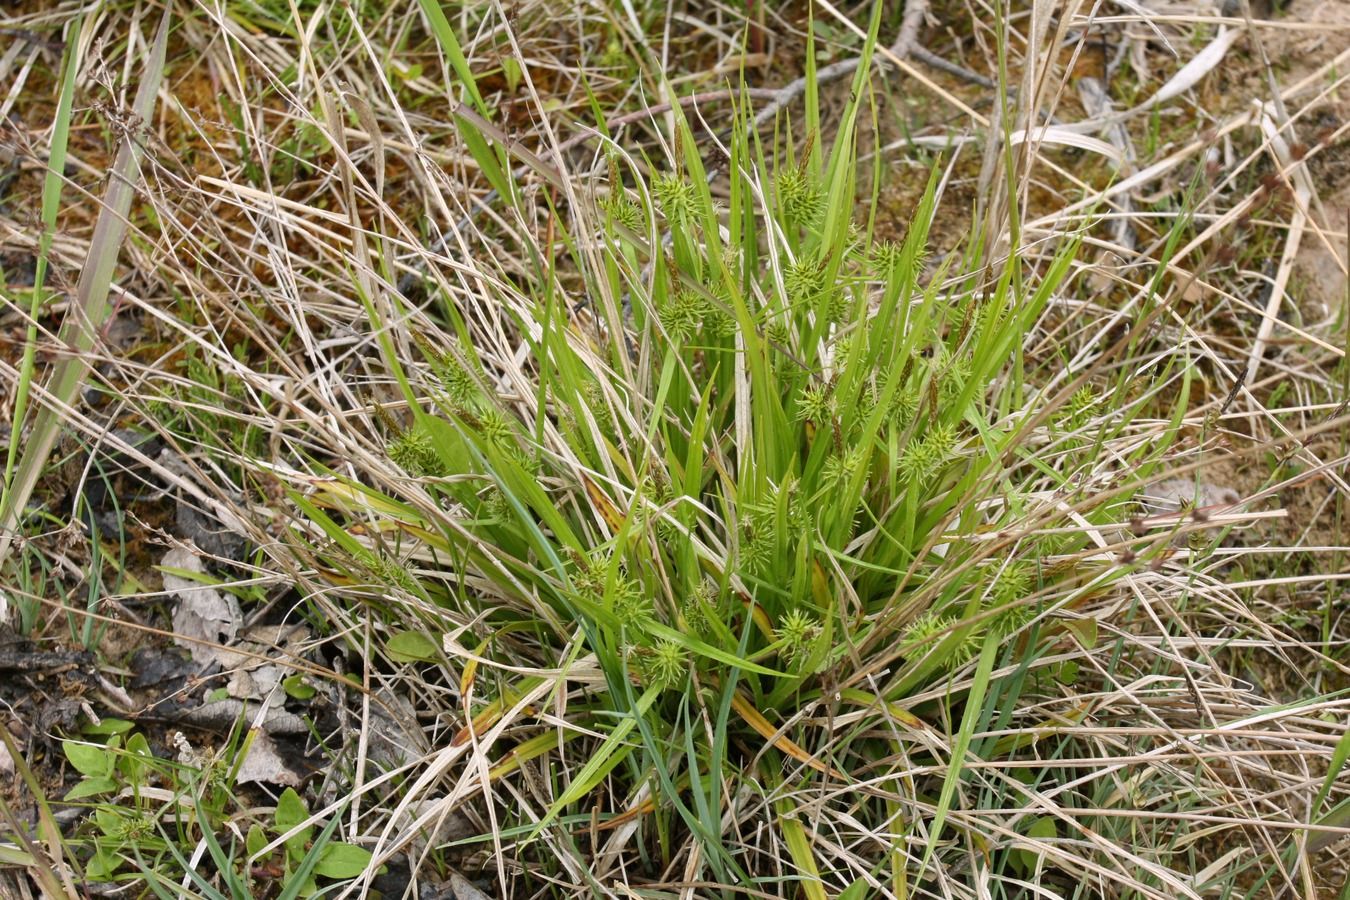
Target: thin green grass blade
[(90, 310), (973, 711), (51, 205)]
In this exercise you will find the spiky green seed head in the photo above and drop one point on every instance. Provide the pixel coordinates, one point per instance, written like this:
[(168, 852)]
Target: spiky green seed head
[(952, 372), (884, 258), (924, 457), (968, 647), (413, 452), (756, 549), (699, 608), (798, 630), (664, 666), (495, 506), (1012, 583), (677, 197), (683, 314), (802, 199), (623, 211), (923, 633), (839, 470), (1078, 411), (495, 427), (390, 572), (838, 306), (458, 384), (630, 604), (803, 279), (815, 404)]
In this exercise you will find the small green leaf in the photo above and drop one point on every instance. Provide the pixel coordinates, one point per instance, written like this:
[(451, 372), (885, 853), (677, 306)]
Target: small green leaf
[(342, 861), (411, 646), (91, 787), (132, 763), (102, 865), (1042, 828), (855, 891), (255, 840), (291, 811), (217, 695), (512, 72), (109, 726), (296, 687), (96, 762)]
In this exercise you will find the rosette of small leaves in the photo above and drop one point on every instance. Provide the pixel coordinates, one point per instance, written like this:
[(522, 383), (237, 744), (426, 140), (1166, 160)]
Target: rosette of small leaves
[(413, 452), (664, 666), (798, 630), (802, 199), (677, 197)]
